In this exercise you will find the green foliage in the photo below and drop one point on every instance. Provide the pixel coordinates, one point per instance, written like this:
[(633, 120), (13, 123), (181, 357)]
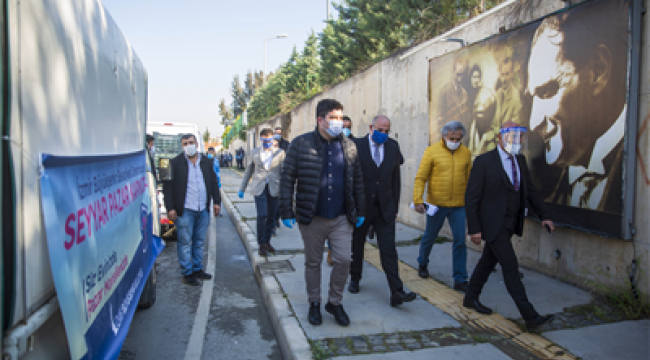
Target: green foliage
[(206, 135), (365, 32)]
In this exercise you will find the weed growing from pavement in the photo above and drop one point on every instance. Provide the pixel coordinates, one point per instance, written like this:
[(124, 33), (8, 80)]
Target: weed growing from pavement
[(621, 296), (320, 353)]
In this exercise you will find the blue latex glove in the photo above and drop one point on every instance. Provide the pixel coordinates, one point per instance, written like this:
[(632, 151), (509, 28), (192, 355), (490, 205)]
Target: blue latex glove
[(360, 221), (289, 223), (240, 194)]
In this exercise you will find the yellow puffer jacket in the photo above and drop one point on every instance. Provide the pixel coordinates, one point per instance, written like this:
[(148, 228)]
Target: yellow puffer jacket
[(446, 173)]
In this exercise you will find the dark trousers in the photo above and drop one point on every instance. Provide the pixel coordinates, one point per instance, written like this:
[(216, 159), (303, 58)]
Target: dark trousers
[(387, 252), (500, 251), (265, 204)]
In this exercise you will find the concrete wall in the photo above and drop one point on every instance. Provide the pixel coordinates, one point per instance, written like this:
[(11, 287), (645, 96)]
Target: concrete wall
[(398, 88)]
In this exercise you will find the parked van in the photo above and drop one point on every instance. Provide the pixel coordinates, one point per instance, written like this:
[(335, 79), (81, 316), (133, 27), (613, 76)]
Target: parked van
[(71, 86)]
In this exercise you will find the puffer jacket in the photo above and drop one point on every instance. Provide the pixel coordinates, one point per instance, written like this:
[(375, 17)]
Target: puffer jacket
[(302, 166), (446, 173)]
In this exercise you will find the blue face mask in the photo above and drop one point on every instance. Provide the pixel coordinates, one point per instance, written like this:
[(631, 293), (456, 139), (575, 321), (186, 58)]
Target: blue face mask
[(379, 137), (209, 156), (346, 132), (267, 143)]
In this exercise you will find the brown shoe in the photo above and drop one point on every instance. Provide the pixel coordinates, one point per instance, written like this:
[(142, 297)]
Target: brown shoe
[(329, 258), (262, 250), (270, 248)]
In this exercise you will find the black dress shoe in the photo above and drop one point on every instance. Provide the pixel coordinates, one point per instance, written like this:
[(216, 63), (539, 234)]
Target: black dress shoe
[(462, 287), (262, 250), (538, 321), (270, 248), (339, 314), (315, 318), (202, 275), (353, 287), (423, 272), (400, 296), (371, 233), (476, 305)]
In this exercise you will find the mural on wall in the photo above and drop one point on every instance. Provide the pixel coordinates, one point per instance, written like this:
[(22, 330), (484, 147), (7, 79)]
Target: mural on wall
[(563, 77)]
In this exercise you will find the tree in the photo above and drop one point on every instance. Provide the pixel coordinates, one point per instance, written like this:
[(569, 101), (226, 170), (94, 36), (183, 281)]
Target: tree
[(226, 113), (239, 100), (206, 135)]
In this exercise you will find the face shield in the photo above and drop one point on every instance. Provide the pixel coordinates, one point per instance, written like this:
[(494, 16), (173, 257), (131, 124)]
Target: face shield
[(512, 139)]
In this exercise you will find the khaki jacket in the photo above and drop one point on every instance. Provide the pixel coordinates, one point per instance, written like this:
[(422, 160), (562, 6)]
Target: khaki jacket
[(260, 175)]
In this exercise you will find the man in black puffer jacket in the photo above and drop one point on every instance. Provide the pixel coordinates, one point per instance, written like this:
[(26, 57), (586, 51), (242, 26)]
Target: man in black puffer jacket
[(329, 203)]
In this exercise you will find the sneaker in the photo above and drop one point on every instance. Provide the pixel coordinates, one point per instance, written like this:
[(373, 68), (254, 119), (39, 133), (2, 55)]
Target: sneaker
[(202, 275), (191, 280), (423, 272)]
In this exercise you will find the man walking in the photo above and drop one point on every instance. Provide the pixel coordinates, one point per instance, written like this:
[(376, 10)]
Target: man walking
[(187, 199), (380, 164), (282, 143), (239, 155), (445, 169), (264, 167), (497, 193), (329, 203)]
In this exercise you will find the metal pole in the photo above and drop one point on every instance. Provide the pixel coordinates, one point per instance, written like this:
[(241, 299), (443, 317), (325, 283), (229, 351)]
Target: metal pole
[(264, 72), (328, 9)]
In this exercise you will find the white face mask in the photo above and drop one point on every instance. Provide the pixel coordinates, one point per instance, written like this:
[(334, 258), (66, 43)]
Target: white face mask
[(513, 149), (152, 150), (336, 127), (452, 145), (190, 150)]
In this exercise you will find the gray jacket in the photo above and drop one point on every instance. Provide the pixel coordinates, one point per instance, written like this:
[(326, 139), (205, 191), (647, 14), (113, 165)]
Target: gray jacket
[(256, 169)]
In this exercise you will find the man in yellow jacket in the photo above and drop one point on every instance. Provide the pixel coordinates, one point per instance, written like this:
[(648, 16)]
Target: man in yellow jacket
[(445, 169)]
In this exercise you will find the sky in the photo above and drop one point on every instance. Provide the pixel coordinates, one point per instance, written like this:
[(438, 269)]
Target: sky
[(192, 49)]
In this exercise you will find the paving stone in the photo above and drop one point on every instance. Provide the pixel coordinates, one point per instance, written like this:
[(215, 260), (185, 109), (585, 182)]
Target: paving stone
[(396, 348), (376, 340), (344, 351), (361, 349), (414, 346), (392, 341), (379, 348), (408, 340), (430, 344)]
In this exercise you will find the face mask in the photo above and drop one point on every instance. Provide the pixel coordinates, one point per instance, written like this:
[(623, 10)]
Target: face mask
[(190, 150), (346, 132), (277, 136), (452, 145), (152, 150), (267, 143), (209, 156), (379, 137), (513, 149), (511, 138), (336, 126)]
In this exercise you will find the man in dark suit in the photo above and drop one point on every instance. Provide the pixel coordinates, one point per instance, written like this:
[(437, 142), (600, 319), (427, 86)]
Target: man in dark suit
[(187, 199), (380, 164), (495, 200)]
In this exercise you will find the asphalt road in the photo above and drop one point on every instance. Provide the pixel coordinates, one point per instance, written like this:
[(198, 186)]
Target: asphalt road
[(232, 321)]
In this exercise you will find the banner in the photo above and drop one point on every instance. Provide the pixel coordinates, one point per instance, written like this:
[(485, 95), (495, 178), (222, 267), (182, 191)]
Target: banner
[(563, 77), (97, 213)]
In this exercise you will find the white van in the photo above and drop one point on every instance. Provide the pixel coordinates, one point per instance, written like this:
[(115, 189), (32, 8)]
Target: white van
[(71, 86)]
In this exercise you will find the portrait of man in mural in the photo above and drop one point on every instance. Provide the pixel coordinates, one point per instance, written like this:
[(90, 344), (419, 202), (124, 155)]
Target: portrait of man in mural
[(508, 96), (453, 104), (482, 104), (577, 75)]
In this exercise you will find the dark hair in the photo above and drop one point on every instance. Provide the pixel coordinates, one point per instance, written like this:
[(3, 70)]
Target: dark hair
[(347, 118), (266, 132), (210, 148), (278, 128), (325, 106), (476, 67), (187, 136), (150, 138)]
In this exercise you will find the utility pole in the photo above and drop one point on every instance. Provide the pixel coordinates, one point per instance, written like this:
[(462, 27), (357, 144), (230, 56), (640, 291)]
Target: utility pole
[(328, 9)]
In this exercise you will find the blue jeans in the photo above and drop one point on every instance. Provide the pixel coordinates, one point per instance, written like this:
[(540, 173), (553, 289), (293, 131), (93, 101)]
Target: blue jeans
[(456, 216), (191, 228), (266, 206)]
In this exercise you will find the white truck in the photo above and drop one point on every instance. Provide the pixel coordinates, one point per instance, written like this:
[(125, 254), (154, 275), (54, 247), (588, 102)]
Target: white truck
[(71, 85)]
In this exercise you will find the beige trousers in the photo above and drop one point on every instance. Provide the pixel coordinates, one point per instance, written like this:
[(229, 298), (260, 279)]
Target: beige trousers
[(339, 233)]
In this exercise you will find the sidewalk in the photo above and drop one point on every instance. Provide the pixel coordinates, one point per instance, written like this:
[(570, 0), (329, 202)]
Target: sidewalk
[(435, 324)]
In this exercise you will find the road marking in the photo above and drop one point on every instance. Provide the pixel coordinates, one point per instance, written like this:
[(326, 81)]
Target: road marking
[(195, 345)]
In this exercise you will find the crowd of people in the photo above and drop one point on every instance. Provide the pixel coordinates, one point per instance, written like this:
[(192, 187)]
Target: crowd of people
[(338, 188)]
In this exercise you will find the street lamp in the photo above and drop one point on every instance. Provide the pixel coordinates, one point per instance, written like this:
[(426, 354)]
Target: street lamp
[(271, 38)]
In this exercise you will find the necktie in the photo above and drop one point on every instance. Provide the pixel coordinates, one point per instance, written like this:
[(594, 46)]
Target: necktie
[(515, 175), (376, 156)]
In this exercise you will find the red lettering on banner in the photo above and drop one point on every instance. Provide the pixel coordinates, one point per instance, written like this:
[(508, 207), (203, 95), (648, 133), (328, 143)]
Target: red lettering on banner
[(69, 231), (90, 211), (80, 225), (105, 211)]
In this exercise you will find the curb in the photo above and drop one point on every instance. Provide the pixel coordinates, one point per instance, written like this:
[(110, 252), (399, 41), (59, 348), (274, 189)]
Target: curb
[(290, 336)]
